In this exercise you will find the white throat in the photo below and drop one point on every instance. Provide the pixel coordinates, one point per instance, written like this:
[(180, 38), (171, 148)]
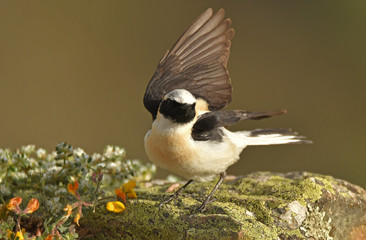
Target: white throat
[(164, 125)]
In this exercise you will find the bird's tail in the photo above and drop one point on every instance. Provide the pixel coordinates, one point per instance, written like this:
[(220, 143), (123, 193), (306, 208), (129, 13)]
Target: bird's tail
[(271, 136)]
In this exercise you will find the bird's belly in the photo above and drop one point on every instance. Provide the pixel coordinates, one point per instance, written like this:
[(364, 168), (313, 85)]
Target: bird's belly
[(169, 151), (200, 161)]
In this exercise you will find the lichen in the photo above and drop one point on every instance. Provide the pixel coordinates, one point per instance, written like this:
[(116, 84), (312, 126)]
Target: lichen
[(302, 190), (295, 215), (316, 225), (252, 207)]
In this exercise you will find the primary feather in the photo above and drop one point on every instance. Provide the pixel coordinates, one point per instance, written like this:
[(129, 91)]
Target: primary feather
[(197, 63)]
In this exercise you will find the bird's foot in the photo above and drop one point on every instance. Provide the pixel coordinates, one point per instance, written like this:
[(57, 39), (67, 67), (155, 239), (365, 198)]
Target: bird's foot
[(202, 208), (197, 211), (175, 195), (207, 201), (172, 197)]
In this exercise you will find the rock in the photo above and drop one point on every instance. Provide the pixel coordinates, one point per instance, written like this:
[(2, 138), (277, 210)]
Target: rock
[(295, 215), (262, 205)]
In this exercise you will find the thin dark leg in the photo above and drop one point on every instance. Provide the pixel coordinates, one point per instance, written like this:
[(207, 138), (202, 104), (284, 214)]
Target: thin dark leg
[(176, 194), (204, 204)]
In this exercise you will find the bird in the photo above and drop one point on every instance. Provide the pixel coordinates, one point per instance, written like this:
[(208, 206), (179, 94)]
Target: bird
[(186, 96)]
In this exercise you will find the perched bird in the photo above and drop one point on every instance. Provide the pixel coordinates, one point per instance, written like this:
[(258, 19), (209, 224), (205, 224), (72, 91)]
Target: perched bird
[(191, 84)]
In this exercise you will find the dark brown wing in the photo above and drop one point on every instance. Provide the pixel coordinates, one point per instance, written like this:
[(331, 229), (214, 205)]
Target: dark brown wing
[(197, 62), (208, 124)]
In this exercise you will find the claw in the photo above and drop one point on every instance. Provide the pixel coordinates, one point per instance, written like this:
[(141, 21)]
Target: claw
[(207, 201), (172, 197), (175, 195)]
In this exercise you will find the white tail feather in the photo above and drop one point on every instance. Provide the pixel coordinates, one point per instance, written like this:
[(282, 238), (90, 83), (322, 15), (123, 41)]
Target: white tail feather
[(270, 137)]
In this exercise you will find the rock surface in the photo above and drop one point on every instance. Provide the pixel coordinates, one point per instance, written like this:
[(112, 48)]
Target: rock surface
[(297, 205)]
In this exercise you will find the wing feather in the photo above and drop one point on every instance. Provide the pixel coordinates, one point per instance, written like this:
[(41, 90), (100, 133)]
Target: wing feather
[(208, 124), (197, 62)]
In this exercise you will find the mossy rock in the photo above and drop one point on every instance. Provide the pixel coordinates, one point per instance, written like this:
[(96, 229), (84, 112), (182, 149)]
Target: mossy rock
[(258, 206)]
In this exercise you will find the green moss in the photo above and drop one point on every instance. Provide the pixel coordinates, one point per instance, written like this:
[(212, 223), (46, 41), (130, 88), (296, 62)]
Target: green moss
[(244, 209), (302, 190)]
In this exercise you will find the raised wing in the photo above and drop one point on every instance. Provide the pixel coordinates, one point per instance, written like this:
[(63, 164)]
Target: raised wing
[(197, 62), (208, 124)]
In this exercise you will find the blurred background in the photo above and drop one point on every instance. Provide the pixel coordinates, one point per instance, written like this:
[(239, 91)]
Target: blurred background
[(76, 71)]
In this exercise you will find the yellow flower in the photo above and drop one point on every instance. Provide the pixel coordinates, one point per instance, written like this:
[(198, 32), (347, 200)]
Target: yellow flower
[(14, 203), (68, 209), (115, 206), (72, 188), (33, 205), (126, 189), (49, 237), (77, 218), (8, 235), (18, 235)]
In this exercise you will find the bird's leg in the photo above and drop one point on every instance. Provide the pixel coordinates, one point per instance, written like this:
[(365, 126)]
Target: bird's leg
[(176, 194), (204, 204)]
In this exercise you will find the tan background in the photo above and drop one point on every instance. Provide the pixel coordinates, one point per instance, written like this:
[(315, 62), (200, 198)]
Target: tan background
[(76, 71)]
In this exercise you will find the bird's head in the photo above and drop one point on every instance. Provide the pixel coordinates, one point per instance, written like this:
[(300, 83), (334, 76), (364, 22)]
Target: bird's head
[(178, 106)]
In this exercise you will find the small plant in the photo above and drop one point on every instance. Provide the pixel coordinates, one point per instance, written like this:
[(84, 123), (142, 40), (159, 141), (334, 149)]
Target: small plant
[(64, 184)]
